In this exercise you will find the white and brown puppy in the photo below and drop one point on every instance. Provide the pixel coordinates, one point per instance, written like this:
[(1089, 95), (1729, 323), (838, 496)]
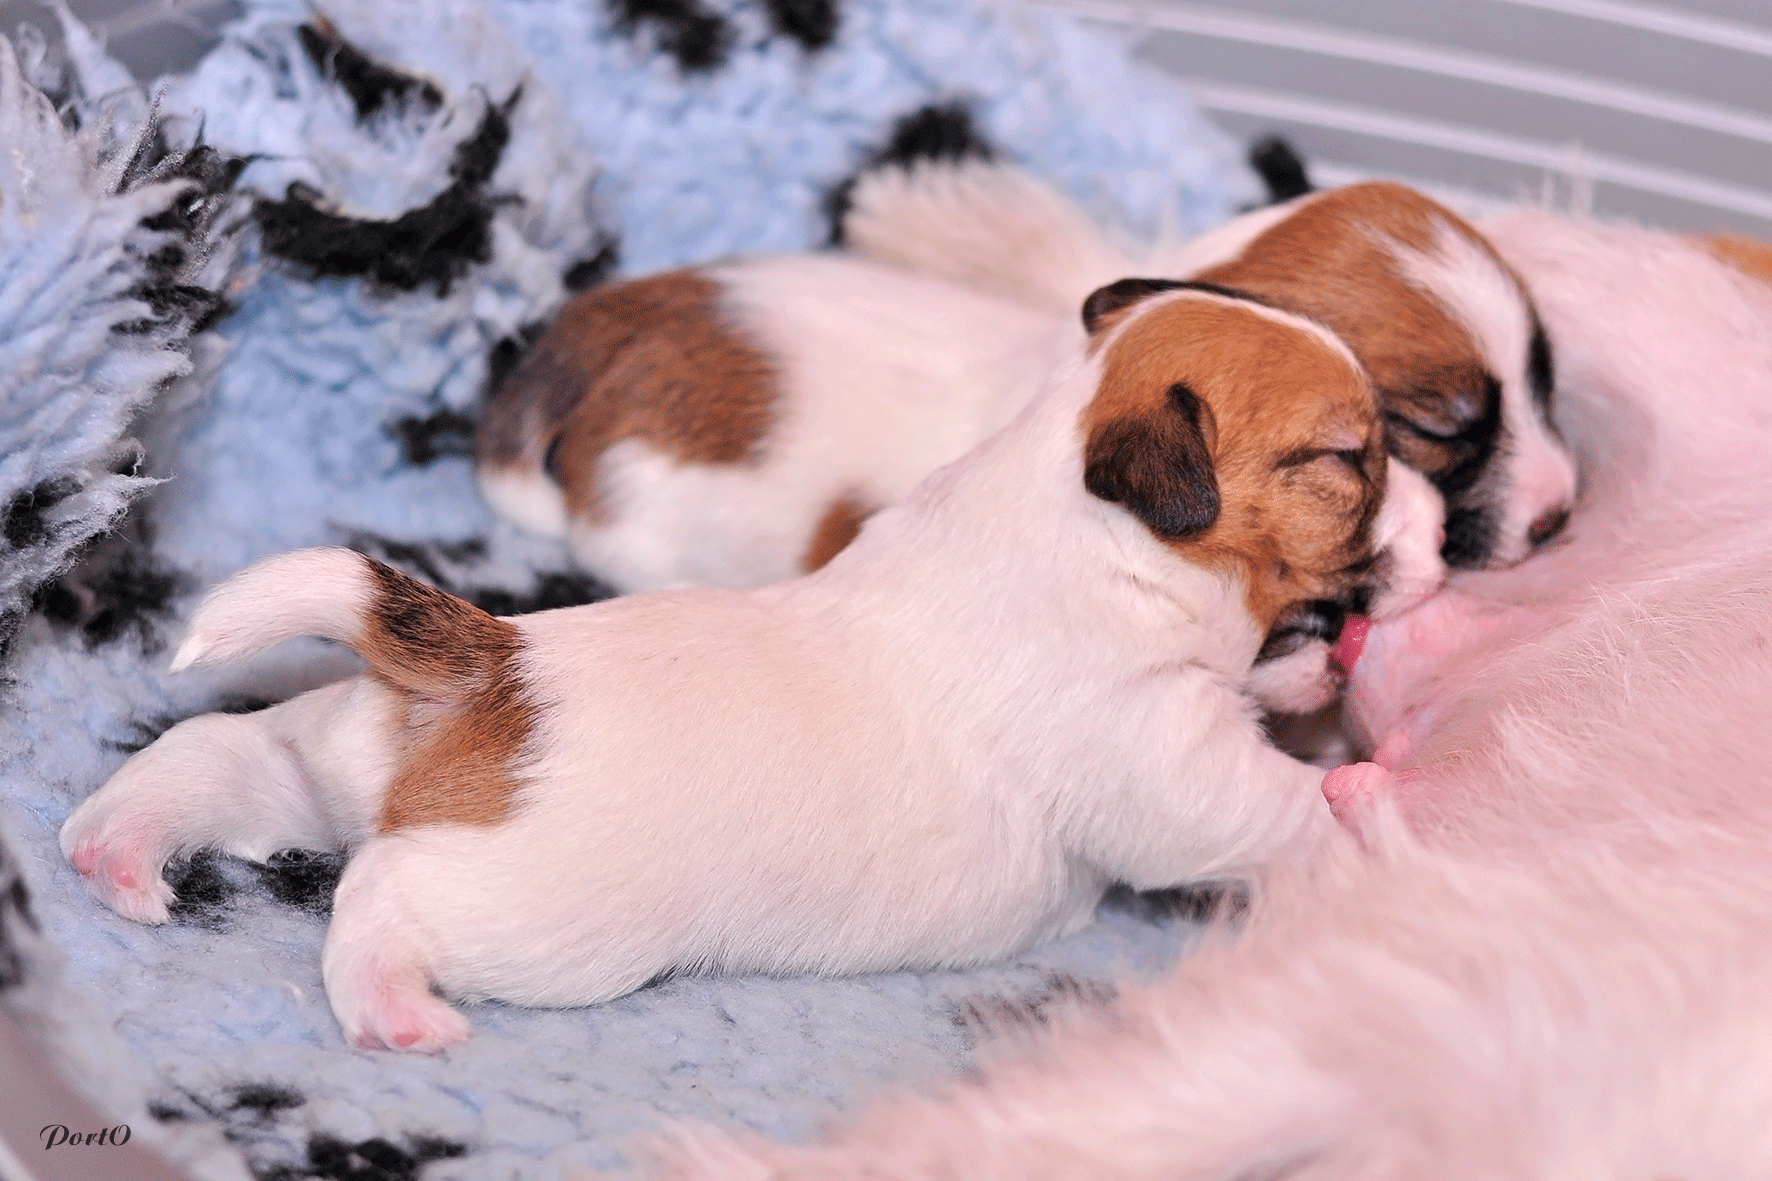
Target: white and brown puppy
[(1445, 328), (1022, 684), (733, 424)]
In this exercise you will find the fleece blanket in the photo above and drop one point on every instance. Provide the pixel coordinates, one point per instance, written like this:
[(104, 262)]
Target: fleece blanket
[(256, 307)]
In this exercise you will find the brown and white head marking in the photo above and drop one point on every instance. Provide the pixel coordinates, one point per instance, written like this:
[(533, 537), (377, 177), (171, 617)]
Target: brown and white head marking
[(1451, 340), (1247, 440)]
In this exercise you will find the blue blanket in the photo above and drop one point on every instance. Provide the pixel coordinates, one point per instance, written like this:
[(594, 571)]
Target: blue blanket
[(278, 286)]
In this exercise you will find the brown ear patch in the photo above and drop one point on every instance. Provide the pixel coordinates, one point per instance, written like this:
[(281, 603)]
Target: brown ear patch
[(1105, 302), (1750, 256), (1277, 408), (838, 527), (465, 714), (1158, 464), (654, 359)]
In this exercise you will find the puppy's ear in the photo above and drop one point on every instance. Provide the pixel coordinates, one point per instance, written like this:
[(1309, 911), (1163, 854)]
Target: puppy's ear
[(1105, 301), (1158, 465)]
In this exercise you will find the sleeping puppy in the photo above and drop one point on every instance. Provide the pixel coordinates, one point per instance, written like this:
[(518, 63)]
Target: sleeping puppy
[(1445, 328), (1026, 682), (733, 424)]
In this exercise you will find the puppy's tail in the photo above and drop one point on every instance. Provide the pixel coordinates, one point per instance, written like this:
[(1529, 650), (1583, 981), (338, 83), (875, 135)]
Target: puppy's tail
[(985, 224), (414, 636)]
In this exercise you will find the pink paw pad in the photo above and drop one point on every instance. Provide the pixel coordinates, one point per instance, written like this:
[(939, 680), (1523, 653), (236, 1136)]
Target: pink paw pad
[(124, 877), (401, 1018), (85, 858)]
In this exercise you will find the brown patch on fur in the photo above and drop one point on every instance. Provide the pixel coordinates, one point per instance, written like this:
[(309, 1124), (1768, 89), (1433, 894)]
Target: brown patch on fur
[(466, 714), (1295, 518), (1750, 256), (652, 359), (836, 529), (1331, 261)]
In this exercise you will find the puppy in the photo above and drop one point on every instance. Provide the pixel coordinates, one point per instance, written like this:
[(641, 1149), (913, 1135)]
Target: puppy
[(1552, 961), (1024, 683), (733, 425), (1446, 330)]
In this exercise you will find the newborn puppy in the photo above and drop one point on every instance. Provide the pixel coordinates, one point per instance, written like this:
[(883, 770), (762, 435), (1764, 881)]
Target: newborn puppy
[(1445, 328), (733, 424), (1024, 683)]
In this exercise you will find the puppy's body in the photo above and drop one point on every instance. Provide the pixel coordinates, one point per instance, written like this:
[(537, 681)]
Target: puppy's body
[(1552, 961), (1026, 682), (734, 424)]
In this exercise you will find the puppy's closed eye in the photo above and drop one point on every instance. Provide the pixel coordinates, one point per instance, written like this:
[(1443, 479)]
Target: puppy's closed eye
[(1458, 408), (1353, 458)]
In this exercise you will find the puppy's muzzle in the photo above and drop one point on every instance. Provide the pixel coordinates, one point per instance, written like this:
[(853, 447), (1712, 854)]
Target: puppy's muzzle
[(1408, 536), (1302, 624)]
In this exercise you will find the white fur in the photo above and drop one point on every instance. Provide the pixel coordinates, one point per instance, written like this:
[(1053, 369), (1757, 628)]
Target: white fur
[(941, 748), (526, 497), (985, 226), (1410, 531), (314, 599), (1553, 960)]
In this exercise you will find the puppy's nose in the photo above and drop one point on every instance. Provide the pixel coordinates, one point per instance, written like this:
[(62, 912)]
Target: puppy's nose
[(1548, 525)]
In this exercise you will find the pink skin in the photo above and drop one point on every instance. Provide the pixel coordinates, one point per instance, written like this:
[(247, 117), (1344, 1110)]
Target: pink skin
[(1409, 657), (1402, 671)]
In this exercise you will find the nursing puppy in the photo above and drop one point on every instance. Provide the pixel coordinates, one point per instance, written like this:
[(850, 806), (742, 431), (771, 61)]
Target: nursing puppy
[(733, 424), (1027, 682), (1444, 327), (1552, 961)]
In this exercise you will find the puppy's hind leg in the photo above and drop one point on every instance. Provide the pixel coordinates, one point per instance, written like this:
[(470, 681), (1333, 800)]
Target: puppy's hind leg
[(375, 964), (244, 784)]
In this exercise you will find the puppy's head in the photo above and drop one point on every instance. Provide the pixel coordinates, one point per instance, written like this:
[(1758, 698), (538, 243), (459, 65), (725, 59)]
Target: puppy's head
[(1450, 338), (1248, 440)]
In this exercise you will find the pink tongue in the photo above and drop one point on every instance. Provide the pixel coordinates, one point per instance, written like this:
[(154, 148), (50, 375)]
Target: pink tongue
[(1352, 643)]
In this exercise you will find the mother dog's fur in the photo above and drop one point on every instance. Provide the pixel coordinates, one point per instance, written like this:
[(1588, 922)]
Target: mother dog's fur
[(1553, 959)]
